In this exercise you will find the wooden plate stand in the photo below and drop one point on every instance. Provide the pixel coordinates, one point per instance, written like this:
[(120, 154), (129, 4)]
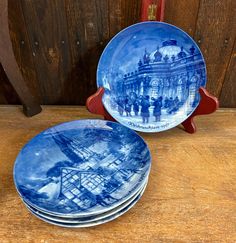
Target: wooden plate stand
[(154, 10)]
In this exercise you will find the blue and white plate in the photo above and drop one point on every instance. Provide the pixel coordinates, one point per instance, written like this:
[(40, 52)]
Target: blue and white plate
[(82, 168), (89, 219), (95, 222), (151, 72)]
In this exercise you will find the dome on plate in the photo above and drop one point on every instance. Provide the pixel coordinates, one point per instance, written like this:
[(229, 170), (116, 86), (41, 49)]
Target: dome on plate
[(168, 50)]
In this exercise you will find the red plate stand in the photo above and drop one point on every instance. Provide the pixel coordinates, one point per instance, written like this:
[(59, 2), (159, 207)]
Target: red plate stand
[(94, 105), (154, 10), (208, 104)]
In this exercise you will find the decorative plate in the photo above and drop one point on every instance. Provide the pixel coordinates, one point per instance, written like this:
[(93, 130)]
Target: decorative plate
[(81, 168), (151, 72), (87, 219), (94, 223)]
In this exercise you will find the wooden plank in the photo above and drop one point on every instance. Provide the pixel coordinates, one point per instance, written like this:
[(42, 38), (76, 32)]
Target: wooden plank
[(91, 24), (123, 13), (22, 48), (3, 79), (132, 12), (3, 100), (2, 97), (228, 92), (88, 31), (22, 53), (7, 93), (47, 30), (190, 195), (7, 58), (23, 56), (215, 33), (182, 14)]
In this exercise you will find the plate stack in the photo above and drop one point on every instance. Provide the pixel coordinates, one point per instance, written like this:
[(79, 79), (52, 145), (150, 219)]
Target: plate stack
[(82, 173)]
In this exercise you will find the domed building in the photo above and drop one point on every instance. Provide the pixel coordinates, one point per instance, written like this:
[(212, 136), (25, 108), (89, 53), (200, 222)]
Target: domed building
[(169, 71)]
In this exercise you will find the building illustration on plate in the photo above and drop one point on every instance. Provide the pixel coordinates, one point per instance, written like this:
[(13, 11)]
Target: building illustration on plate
[(163, 80), (168, 76), (88, 178)]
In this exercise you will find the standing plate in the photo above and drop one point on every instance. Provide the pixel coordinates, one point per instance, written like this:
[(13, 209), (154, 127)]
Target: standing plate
[(151, 72), (81, 168)]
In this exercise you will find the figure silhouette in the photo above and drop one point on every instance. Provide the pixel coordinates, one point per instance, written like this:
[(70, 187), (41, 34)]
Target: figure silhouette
[(157, 109), (128, 107), (136, 107), (145, 104), (120, 104)]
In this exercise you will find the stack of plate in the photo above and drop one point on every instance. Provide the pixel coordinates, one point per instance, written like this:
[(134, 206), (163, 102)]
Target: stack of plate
[(82, 173)]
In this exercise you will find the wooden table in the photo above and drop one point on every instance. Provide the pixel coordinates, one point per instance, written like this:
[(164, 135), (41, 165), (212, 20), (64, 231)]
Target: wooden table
[(191, 194)]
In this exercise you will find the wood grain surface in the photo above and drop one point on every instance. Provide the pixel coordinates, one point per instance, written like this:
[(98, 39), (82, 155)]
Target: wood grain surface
[(7, 93), (216, 35), (228, 92), (47, 30), (11, 67), (22, 48), (183, 13), (58, 43), (190, 197)]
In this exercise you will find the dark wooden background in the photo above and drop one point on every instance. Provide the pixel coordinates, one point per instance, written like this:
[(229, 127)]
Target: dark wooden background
[(57, 43)]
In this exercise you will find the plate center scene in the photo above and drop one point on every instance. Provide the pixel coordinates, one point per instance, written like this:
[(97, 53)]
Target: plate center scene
[(151, 73), (81, 170)]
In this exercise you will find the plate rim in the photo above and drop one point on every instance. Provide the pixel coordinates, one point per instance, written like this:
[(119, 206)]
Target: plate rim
[(98, 222), (88, 213), (107, 46), (97, 217)]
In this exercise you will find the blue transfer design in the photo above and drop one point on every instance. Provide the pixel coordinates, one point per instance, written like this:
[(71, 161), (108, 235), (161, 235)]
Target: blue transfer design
[(151, 73), (81, 168), (76, 220), (95, 222)]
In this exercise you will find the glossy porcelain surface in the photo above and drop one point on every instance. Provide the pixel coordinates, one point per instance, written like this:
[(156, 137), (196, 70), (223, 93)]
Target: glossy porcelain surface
[(87, 219), (81, 168), (151, 73), (94, 223)]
